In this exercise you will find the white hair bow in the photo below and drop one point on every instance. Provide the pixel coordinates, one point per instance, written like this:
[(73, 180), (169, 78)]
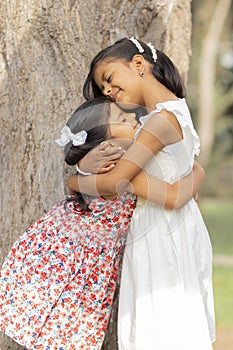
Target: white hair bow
[(67, 136)]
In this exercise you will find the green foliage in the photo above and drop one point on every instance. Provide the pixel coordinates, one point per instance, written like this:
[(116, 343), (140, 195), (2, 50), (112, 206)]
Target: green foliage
[(219, 180), (218, 216), (223, 291)]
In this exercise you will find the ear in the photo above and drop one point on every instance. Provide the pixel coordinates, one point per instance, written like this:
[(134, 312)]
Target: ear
[(138, 62)]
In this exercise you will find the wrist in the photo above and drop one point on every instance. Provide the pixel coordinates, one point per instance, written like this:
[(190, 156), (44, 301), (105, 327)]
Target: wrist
[(82, 172)]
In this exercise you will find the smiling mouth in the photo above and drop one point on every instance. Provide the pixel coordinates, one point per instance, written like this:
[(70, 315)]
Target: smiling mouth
[(114, 98)]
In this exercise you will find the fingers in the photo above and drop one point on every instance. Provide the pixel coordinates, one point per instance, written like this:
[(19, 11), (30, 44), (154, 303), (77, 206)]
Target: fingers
[(102, 158), (106, 144), (108, 166), (109, 149), (106, 169), (103, 145), (113, 153)]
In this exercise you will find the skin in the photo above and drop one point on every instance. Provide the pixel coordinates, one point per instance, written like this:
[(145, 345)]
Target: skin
[(134, 91), (160, 130), (122, 125), (110, 76), (122, 129)]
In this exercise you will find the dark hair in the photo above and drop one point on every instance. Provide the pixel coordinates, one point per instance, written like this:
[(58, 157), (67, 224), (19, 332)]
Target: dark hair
[(163, 69), (93, 117)]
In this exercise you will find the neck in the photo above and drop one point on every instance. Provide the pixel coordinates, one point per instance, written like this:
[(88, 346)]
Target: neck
[(154, 92)]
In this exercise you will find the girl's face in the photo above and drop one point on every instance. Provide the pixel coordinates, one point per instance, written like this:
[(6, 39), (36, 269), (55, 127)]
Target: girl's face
[(122, 125), (120, 80)]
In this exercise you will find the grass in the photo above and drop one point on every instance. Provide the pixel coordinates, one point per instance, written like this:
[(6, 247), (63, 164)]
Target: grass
[(223, 292), (218, 216)]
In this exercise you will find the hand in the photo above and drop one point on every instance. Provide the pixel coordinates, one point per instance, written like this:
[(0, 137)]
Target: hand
[(102, 158)]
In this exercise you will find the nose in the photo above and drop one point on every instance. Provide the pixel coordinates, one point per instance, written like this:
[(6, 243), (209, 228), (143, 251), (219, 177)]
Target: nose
[(107, 90)]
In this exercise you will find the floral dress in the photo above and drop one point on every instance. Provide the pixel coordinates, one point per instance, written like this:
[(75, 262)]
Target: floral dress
[(58, 281)]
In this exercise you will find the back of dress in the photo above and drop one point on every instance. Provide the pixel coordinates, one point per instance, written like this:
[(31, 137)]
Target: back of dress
[(167, 266)]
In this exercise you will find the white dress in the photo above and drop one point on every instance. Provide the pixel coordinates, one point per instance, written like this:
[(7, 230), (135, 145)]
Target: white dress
[(166, 297)]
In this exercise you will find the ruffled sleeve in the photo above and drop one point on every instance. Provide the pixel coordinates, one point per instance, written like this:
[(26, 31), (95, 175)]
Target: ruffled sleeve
[(180, 109)]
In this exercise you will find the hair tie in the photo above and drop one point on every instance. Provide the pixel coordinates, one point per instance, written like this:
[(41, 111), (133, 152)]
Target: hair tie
[(67, 136)]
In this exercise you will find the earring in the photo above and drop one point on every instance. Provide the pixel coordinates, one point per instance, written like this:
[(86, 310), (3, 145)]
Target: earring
[(142, 74)]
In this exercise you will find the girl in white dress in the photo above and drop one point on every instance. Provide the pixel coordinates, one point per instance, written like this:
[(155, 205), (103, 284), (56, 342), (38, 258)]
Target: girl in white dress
[(166, 297)]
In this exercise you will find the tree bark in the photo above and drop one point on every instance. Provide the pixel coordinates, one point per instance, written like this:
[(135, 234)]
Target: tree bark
[(45, 50)]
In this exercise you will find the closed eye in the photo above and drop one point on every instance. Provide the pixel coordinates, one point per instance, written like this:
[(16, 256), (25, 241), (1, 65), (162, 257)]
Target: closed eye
[(109, 79)]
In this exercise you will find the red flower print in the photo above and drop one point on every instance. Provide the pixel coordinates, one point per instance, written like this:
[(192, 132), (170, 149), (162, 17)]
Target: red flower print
[(66, 260), (93, 297)]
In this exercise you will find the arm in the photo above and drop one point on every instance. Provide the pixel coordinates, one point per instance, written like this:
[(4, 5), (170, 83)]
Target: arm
[(159, 130), (164, 194), (158, 191)]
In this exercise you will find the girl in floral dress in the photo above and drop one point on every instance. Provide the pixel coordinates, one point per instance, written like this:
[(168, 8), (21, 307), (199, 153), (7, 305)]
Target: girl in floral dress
[(58, 281)]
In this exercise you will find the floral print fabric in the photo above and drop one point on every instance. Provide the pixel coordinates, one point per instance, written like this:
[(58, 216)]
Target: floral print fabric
[(58, 281)]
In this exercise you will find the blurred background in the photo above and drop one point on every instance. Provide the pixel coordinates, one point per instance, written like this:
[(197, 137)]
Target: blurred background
[(45, 50), (210, 97)]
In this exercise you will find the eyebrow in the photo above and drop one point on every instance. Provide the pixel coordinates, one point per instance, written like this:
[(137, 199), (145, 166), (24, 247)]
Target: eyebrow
[(103, 76), (102, 79)]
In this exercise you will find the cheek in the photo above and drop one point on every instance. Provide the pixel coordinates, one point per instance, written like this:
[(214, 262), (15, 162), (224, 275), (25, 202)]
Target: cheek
[(134, 91)]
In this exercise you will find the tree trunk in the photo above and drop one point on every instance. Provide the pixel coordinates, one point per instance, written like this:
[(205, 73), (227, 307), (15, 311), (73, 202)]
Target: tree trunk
[(45, 50)]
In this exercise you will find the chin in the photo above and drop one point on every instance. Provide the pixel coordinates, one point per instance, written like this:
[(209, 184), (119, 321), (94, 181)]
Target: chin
[(127, 105)]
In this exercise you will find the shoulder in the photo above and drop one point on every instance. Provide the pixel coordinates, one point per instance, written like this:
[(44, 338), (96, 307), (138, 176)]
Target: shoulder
[(163, 123), (167, 110)]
